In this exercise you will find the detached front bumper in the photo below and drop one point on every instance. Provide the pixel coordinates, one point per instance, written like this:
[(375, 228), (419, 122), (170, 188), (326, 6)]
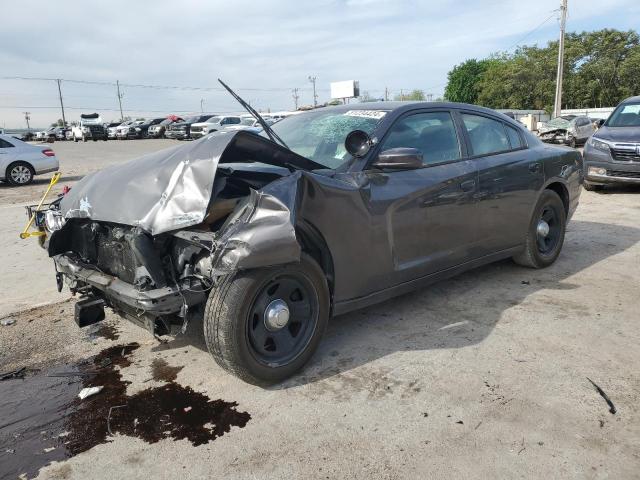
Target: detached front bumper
[(156, 302)]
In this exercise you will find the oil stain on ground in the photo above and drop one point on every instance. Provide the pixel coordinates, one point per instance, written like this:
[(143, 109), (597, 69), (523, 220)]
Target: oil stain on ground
[(42, 419)]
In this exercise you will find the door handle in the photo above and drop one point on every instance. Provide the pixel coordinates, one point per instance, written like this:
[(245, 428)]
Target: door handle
[(534, 167), (468, 185)]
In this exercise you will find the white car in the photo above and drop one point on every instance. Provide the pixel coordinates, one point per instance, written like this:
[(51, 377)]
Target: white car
[(251, 124), (123, 129), (20, 161), (215, 123)]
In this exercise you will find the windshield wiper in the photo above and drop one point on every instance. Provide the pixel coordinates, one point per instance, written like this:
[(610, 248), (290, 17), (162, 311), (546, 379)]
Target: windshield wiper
[(268, 130)]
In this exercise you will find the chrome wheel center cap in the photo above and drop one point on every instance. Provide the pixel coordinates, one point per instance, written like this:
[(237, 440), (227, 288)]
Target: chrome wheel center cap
[(276, 316), (543, 228)]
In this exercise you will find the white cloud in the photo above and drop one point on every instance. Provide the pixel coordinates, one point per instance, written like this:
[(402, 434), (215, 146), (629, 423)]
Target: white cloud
[(269, 45)]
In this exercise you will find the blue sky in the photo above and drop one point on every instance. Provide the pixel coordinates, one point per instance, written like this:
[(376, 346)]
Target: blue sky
[(264, 49)]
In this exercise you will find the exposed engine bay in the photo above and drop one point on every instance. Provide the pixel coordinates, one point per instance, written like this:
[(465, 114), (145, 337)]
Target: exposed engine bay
[(154, 279)]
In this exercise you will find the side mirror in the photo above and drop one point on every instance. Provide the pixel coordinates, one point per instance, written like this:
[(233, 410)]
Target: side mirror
[(399, 159), (358, 143), (600, 122)]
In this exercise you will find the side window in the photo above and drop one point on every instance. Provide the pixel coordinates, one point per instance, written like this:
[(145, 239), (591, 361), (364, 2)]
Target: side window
[(5, 144), (433, 133), (487, 136), (235, 120), (514, 137)]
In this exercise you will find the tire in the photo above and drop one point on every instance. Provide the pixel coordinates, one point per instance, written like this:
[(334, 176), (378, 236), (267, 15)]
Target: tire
[(592, 187), (541, 251), (234, 320), (19, 173), (94, 139), (572, 142), (75, 139), (84, 139)]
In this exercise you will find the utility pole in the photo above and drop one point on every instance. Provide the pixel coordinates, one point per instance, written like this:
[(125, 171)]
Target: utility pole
[(386, 94), (27, 118), (201, 103), (120, 95), (64, 120), (557, 107), (401, 95), (315, 96), (295, 97)]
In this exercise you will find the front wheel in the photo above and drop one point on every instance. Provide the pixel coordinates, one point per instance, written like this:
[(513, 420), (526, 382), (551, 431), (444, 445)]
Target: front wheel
[(264, 325), (545, 235)]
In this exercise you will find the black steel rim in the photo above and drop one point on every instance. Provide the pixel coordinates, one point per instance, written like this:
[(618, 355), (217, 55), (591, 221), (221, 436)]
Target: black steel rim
[(277, 348), (548, 243)]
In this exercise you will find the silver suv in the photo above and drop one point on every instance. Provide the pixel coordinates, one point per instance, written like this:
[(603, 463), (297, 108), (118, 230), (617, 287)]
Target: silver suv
[(215, 123)]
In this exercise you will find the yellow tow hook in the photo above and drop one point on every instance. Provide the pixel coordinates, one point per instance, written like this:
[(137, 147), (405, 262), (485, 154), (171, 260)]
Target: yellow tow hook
[(38, 233)]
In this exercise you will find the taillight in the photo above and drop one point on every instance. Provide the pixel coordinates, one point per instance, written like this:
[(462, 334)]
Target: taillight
[(48, 152)]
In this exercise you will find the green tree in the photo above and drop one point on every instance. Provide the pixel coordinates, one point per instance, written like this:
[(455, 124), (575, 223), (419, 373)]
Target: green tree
[(601, 68), (463, 80)]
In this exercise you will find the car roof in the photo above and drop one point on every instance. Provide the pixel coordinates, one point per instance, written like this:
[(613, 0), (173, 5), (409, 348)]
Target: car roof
[(13, 140), (405, 106), (631, 100)]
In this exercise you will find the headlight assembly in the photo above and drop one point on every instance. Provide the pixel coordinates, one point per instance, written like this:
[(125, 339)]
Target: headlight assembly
[(599, 144), (53, 220)]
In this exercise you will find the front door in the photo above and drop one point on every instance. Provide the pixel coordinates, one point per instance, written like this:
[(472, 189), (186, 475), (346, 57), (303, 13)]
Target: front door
[(428, 214)]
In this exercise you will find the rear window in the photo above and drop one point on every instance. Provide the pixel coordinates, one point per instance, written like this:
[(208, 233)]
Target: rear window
[(5, 144), (514, 137), (487, 136)]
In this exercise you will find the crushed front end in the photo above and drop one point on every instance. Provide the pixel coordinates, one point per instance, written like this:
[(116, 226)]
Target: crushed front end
[(153, 254)]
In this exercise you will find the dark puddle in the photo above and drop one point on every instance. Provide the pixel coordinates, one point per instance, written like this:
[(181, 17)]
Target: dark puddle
[(42, 419), (162, 372), (104, 330)]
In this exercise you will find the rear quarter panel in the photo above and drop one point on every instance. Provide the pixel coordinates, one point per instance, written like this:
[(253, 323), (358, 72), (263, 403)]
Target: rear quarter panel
[(564, 165)]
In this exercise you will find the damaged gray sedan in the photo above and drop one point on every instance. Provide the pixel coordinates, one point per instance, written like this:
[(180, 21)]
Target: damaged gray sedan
[(267, 236)]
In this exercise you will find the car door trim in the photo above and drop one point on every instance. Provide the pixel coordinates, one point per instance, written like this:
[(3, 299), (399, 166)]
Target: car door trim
[(345, 306)]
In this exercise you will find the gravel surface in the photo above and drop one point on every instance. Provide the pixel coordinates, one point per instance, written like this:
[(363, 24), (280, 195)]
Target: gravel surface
[(481, 376)]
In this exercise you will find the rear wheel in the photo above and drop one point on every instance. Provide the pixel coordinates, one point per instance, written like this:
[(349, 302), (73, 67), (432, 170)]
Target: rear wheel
[(546, 232), (264, 325), (20, 173)]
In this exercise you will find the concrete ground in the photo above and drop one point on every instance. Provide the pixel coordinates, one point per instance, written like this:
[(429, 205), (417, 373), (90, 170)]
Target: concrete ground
[(481, 376)]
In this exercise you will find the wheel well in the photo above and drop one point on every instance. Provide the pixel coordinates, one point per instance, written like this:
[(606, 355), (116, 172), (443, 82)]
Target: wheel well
[(16, 162), (562, 192), (313, 244)]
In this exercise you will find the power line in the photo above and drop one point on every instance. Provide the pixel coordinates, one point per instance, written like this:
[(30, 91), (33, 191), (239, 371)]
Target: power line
[(553, 14)]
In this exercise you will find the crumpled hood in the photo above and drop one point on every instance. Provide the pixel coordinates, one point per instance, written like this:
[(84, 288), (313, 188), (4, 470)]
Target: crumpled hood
[(170, 189)]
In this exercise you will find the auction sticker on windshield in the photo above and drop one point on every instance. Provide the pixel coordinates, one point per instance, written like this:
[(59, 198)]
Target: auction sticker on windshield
[(377, 114)]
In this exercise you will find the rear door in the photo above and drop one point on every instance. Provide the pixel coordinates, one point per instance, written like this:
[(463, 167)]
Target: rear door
[(429, 213), (510, 176)]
